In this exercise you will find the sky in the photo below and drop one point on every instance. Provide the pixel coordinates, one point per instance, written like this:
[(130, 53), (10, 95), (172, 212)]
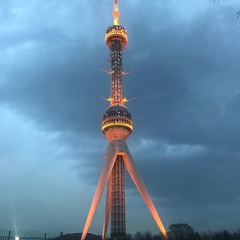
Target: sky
[(185, 56)]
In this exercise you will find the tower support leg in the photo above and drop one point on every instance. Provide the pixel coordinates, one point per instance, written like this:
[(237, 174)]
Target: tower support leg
[(110, 157), (133, 172), (107, 209)]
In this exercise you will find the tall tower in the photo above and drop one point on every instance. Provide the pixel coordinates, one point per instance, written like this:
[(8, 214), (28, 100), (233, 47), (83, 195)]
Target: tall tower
[(117, 126)]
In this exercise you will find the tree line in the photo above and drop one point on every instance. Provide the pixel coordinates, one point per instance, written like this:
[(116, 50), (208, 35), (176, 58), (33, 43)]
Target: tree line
[(183, 231)]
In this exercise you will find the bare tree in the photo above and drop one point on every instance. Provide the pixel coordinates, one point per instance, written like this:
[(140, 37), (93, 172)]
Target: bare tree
[(216, 1), (213, 1), (238, 14)]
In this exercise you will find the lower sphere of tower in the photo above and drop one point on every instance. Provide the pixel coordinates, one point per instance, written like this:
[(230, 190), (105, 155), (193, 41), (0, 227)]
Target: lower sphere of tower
[(117, 117)]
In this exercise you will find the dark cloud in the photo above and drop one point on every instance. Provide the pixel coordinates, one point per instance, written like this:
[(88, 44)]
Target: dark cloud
[(186, 119)]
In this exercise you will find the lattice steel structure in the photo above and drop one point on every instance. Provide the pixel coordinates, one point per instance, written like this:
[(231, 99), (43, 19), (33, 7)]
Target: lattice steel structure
[(117, 126)]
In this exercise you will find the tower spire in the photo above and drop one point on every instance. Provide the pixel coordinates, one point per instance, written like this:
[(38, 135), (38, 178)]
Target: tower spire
[(116, 13)]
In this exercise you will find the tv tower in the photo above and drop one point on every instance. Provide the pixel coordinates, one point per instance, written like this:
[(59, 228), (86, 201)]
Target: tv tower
[(117, 126)]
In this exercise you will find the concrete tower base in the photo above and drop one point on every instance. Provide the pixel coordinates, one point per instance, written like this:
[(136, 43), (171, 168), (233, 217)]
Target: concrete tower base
[(118, 148)]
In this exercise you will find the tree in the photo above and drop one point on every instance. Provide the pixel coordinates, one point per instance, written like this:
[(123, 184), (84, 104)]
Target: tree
[(138, 236), (213, 1), (216, 1), (180, 231), (226, 235), (236, 235), (147, 235), (196, 236), (129, 236), (158, 237)]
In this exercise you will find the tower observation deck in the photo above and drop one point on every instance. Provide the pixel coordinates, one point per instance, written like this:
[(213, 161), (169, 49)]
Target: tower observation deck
[(117, 126)]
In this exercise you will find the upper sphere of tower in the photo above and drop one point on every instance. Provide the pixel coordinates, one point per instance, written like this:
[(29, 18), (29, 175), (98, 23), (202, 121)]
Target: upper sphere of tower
[(117, 117), (116, 32)]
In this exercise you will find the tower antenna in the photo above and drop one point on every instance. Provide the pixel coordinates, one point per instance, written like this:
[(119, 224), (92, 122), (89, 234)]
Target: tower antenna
[(116, 13)]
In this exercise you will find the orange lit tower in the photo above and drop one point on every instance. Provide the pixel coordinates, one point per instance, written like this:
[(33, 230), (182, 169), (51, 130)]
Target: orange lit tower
[(117, 126)]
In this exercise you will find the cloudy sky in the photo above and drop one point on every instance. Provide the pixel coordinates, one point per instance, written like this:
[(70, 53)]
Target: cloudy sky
[(185, 55)]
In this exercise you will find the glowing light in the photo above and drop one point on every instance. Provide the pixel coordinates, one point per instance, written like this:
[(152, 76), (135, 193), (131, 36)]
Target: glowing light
[(17, 238), (114, 124), (116, 13)]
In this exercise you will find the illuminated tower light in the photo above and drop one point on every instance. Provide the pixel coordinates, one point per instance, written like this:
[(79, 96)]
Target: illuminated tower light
[(117, 126)]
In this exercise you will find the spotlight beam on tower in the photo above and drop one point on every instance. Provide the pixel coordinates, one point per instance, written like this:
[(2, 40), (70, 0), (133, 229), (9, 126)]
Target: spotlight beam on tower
[(117, 127)]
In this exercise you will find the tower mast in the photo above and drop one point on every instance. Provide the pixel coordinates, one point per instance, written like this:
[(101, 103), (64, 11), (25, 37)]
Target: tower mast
[(117, 127)]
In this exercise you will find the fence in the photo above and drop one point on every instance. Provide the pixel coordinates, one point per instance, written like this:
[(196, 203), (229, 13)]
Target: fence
[(27, 235)]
